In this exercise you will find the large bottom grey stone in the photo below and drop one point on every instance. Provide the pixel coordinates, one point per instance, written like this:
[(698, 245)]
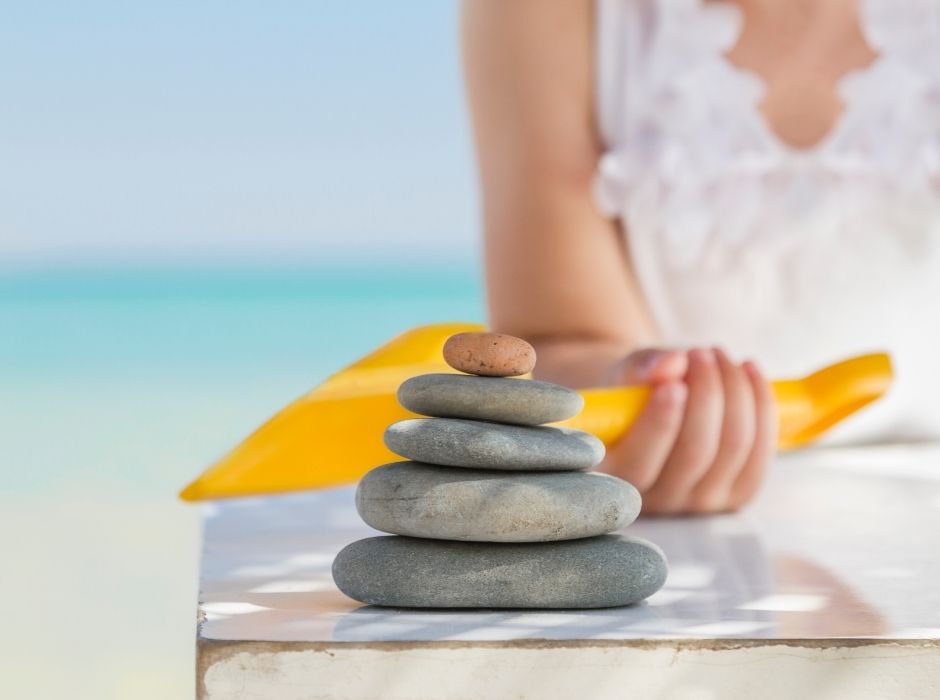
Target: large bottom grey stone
[(500, 399), (596, 572), (468, 443), (452, 503)]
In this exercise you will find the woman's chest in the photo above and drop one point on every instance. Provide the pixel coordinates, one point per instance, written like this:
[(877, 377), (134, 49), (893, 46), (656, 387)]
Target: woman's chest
[(801, 50)]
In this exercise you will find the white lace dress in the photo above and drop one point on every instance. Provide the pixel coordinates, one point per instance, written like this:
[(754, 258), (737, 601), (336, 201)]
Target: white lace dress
[(794, 257)]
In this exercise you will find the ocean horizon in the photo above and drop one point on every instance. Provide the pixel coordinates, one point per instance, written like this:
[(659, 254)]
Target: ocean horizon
[(108, 358), (118, 385)]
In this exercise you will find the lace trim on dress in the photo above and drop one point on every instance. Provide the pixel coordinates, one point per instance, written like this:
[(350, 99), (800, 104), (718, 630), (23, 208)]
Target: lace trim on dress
[(690, 117)]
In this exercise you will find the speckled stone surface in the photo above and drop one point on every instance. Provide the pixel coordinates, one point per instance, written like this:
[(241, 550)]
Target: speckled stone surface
[(505, 400), (452, 503), (466, 443), (596, 572), (489, 354)]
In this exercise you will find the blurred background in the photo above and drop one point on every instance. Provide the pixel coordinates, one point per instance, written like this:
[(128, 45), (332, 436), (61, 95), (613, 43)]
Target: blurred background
[(205, 209)]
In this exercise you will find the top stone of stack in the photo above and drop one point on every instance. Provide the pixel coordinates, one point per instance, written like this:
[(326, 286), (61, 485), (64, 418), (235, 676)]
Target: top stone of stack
[(495, 421), (495, 393), (489, 354)]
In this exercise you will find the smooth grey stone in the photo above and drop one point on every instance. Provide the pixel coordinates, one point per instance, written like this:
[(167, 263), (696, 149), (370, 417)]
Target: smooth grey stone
[(450, 503), (501, 399), (595, 572), (456, 442)]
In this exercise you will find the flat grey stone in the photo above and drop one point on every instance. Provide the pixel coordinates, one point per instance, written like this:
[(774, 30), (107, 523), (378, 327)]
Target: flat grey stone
[(595, 572), (451, 503), (456, 442), (500, 399)]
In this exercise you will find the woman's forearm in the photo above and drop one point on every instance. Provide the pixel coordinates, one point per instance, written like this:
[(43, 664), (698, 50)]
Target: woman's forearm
[(578, 362), (557, 269)]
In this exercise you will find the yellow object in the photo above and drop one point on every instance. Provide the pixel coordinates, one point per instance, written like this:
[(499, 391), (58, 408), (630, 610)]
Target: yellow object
[(333, 434)]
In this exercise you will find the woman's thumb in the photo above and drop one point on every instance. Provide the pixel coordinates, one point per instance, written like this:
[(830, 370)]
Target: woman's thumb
[(651, 366)]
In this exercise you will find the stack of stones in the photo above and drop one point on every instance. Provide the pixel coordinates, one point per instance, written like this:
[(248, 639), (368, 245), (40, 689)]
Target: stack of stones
[(493, 508)]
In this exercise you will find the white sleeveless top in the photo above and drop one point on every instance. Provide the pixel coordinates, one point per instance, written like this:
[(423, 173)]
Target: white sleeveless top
[(793, 257)]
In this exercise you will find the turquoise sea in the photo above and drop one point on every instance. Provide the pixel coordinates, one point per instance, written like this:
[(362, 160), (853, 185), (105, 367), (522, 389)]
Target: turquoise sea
[(107, 373), (118, 385)]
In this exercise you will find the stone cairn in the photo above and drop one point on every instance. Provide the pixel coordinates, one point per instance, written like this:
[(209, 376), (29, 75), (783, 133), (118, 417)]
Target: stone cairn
[(493, 508)]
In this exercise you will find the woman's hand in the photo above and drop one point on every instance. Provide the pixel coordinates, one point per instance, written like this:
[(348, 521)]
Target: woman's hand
[(703, 441)]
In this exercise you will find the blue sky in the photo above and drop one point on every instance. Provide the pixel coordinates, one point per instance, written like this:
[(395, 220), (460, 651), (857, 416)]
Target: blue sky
[(217, 130)]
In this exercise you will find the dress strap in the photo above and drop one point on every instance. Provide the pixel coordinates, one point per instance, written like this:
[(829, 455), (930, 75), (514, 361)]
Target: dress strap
[(623, 32)]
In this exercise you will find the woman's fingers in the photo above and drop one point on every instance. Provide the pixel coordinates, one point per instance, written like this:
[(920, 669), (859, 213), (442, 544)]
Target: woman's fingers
[(698, 439), (651, 366), (702, 442), (639, 455), (765, 439), (712, 491)]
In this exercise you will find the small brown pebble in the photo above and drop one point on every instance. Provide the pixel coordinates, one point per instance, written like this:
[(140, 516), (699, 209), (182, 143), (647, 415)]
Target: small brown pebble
[(489, 354)]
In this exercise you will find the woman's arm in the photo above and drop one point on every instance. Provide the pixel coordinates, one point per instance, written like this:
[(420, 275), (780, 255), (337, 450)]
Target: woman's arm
[(558, 274)]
